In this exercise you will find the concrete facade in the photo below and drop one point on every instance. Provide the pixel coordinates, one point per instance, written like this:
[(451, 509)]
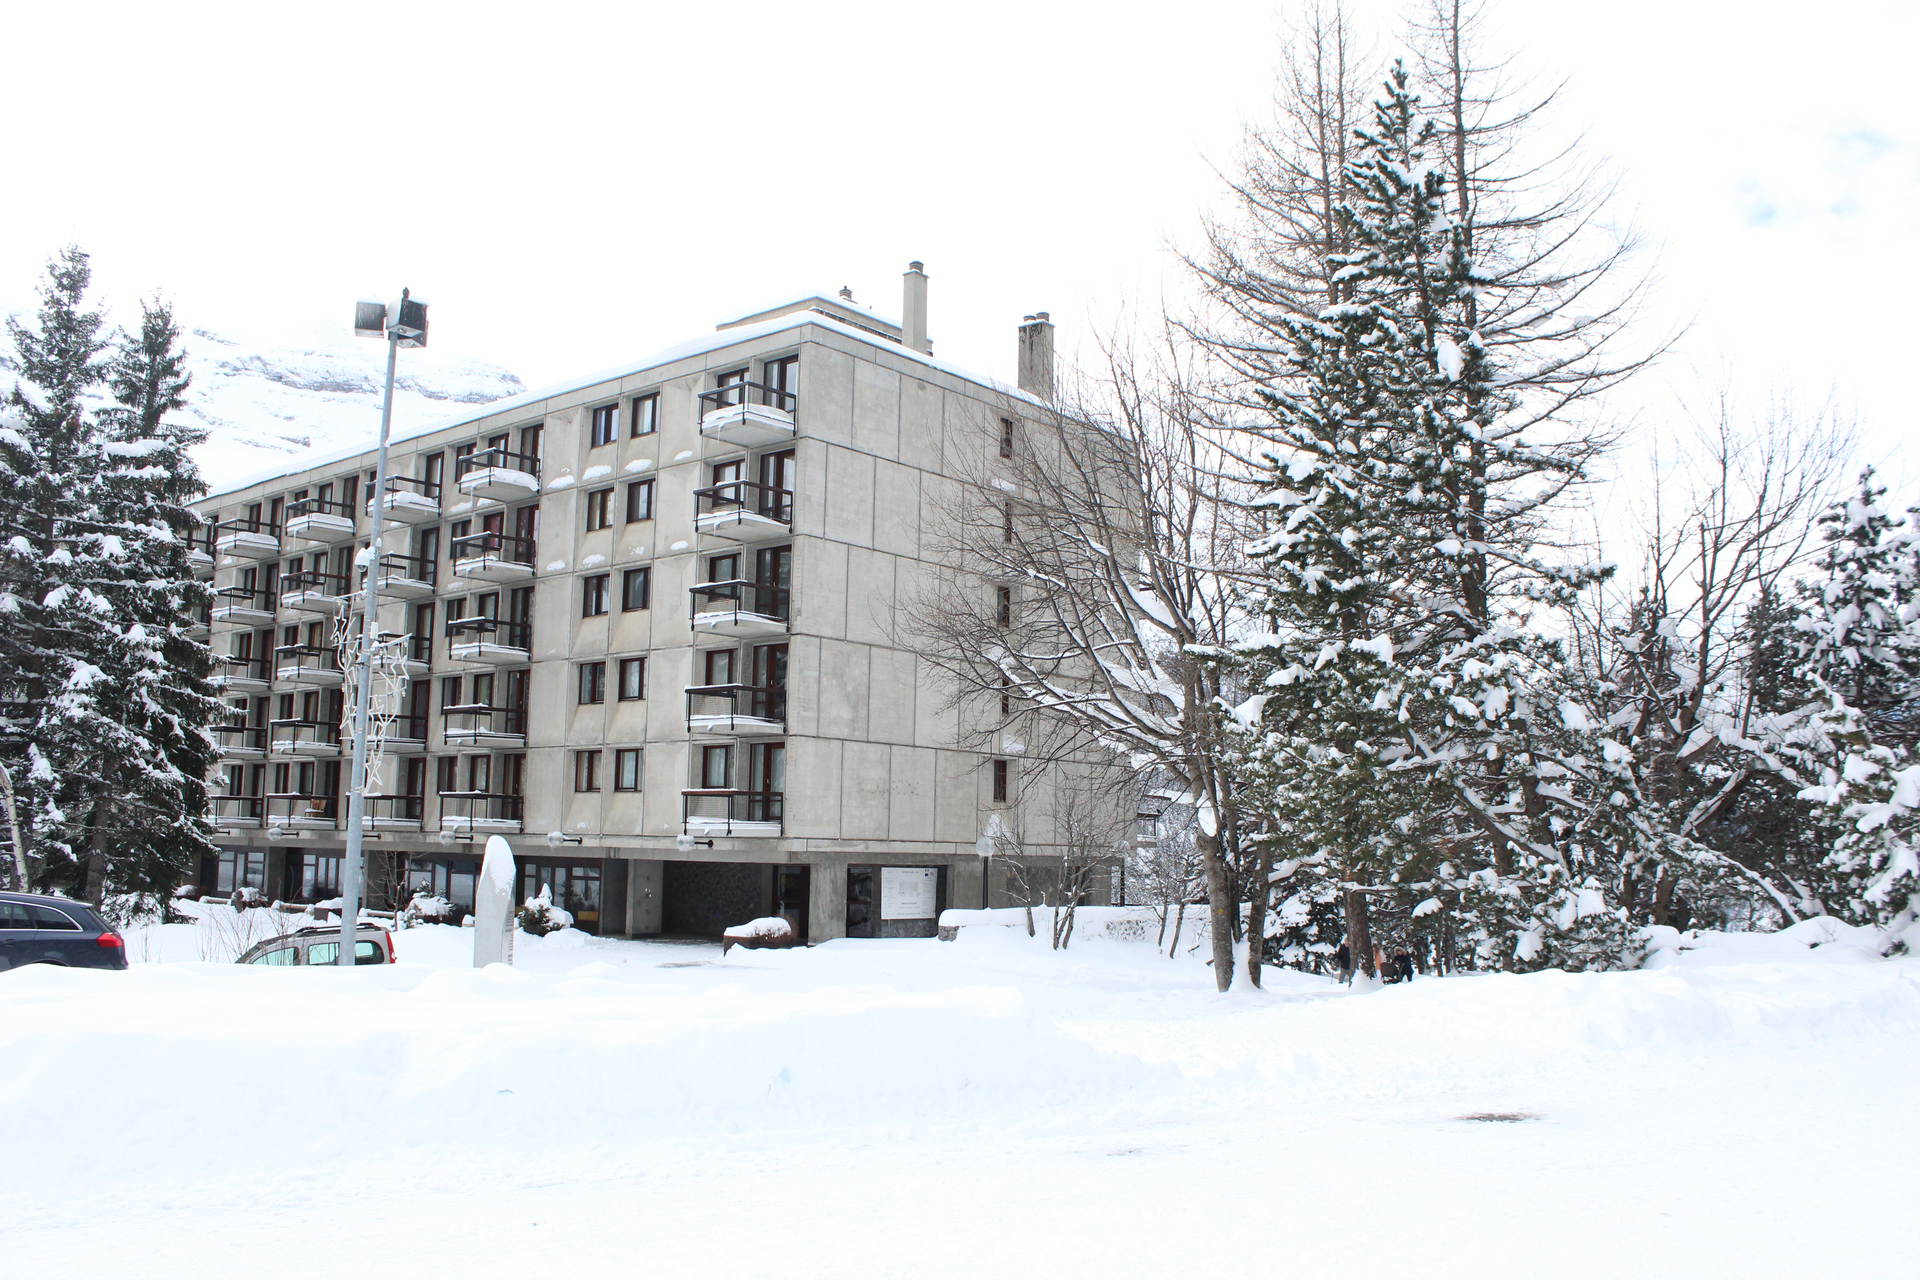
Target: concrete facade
[(787, 792)]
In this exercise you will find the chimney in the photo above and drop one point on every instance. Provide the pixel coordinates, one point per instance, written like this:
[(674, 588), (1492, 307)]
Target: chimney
[(1036, 355), (913, 309)]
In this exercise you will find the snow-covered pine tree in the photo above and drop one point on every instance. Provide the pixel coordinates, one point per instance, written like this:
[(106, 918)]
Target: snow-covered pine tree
[(1408, 664), (104, 695)]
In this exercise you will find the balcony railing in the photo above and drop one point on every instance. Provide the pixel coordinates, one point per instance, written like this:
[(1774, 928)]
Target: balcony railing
[(404, 577), (200, 549), (725, 811), (740, 606), (498, 473), (493, 557), (240, 741), (304, 737), (298, 811), (252, 538), (248, 606), (743, 511), (487, 639), (481, 811), (237, 673), (314, 591), (237, 811), (319, 519), (410, 499), (749, 414), (308, 664), (406, 734), (479, 724), (391, 812), (736, 709)]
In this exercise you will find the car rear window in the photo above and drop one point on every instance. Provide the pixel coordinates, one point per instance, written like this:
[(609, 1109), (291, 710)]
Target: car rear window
[(365, 951), (49, 918)]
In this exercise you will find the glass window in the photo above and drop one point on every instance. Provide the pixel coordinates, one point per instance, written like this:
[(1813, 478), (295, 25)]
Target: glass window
[(593, 595), (605, 424), (586, 771), (639, 501), (323, 953), (283, 955), (626, 769), (593, 682), (633, 679), (50, 918), (13, 915), (646, 415), (1002, 773), (716, 767), (636, 588), (1006, 437), (600, 508)]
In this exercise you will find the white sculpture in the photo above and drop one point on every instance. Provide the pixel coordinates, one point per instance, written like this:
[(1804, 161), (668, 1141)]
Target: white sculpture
[(493, 912)]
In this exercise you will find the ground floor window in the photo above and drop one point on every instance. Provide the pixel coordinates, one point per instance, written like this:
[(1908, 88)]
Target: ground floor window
[(576, 887), (315, 877), (241, 869), (452, 879)]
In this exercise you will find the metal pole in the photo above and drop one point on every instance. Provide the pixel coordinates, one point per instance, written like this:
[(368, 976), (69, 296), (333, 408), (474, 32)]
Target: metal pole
[(350, 876)]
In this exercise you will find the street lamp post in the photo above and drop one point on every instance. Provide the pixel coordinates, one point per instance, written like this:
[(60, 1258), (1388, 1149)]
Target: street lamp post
[(404, 324)]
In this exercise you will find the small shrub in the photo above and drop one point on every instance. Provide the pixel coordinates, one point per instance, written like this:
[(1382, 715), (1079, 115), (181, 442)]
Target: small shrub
[(539, 917), (424, 908)]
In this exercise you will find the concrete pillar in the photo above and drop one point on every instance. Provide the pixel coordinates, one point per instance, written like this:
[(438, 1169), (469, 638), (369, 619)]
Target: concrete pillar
[(913, 307), (964, 877), (1036, 355), (826, 900), (645, 887)]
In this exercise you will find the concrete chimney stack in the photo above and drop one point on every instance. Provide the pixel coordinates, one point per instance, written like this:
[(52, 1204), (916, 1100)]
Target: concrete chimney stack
[(913, 309), (1036, 355)]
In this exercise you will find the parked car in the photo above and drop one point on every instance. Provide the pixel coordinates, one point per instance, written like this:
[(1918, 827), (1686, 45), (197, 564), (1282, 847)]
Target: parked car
[(36, 928), (320, 944)]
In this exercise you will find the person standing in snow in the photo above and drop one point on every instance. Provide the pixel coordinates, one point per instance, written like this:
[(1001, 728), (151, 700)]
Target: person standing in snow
[(1380, 970), (1343, 960), (1402, 966)]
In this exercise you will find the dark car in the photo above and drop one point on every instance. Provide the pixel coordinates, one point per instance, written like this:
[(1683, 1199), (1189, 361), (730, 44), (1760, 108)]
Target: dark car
[(38, 929), (320, 944)]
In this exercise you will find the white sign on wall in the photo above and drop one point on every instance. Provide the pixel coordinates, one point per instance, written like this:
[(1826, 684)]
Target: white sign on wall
[(908, 893)]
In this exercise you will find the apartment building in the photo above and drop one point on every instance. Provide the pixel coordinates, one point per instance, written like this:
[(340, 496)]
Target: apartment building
[(653, 636)]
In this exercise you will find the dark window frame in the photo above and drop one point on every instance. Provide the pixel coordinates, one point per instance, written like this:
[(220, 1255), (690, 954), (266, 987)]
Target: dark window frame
[(595, 590), (603, 425), (643, 575)]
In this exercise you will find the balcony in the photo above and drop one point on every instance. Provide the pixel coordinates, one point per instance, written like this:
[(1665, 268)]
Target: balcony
[(418, 659), (312, 591), (719, 811), (484, 639), (240, 741), (405, 735), (492, 557), (498, 474), (247, 539), (479, 812), (237, 673), (200, 556), (288, 812), (319, 520), (312, 665), (242, 607), (393, 813), (748, 414), (199, 626), (736, 711), (480, 725), (740, 607), (741, 511), (313, 739), (409, 500), (238, 813), (406, 577)]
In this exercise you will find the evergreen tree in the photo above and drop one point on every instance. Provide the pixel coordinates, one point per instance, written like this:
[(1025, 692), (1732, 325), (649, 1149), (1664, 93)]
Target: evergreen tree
[(104, 691), (1410, 695)]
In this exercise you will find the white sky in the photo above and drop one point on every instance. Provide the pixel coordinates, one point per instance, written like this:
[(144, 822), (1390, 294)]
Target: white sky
[(574, 185)]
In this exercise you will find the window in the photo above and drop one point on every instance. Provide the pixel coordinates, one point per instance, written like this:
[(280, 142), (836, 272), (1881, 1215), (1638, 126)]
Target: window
[(636, 588), (1002, 777), (447, 774), (716, 768), (1003, 606), (639, 501), (1006, 437), (593, 595), (782, 375), (633, 679), (586, 771), (717, 666), (1006, 522), (605, 425), (593, 682), (646, 415), (626, 769), (599, 509)]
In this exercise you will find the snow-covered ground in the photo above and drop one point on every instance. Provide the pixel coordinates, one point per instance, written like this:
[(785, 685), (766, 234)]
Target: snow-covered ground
[(976, 1108)]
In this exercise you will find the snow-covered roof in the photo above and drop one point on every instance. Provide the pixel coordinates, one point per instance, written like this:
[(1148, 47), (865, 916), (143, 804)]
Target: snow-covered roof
[(680, 351)]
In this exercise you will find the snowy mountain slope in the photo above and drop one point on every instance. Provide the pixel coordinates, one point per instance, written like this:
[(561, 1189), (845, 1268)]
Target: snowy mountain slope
[(266, 402)]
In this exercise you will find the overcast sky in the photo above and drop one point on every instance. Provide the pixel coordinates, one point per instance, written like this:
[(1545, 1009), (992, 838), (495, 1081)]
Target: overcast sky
[(572, 186)]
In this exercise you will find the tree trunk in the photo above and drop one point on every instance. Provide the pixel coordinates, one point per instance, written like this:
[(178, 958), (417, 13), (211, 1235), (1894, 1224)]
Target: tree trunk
[(1663, 887), (1360, 933), (1179, 921), (1259, 893), (1221, 908), (13, 829), (93, 879)]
